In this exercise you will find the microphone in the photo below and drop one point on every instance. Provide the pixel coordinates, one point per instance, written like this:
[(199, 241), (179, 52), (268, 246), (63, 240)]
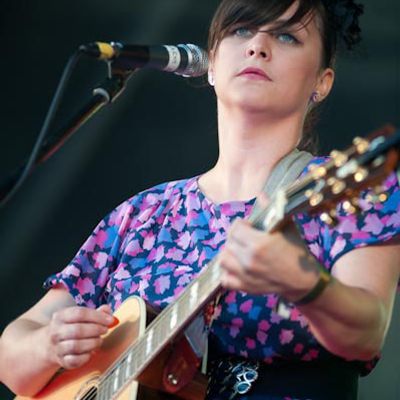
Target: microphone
[(184, 59)]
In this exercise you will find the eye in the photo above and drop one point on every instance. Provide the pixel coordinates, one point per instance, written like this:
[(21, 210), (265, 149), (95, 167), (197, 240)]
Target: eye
[(243, 32), (286, 38)]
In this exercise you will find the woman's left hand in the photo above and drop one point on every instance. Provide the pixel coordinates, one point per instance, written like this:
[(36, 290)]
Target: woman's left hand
[(261, 263)]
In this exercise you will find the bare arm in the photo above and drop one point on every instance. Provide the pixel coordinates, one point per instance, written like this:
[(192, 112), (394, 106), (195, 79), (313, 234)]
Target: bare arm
[(54, 333), (351, 316), (357, 307)]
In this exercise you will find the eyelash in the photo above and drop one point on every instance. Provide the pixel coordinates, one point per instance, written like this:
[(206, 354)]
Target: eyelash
[(250, 32)]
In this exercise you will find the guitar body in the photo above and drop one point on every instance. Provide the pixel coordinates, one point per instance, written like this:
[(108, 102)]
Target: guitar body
[(82, 383)]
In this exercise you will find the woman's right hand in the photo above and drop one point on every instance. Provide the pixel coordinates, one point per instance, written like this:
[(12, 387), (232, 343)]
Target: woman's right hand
[(75, 333)]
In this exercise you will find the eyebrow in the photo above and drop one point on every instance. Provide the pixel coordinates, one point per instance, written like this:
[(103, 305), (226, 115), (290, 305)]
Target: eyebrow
[(279, 23)]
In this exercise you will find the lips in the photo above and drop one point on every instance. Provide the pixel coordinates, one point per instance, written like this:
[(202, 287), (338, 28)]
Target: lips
[(255, 73)]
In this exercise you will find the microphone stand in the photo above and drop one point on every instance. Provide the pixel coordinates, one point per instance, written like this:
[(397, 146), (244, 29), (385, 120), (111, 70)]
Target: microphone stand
[(107, 92)]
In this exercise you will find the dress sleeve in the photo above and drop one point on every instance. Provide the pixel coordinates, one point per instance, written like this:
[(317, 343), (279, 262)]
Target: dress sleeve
[(87, 275), (375, 223)]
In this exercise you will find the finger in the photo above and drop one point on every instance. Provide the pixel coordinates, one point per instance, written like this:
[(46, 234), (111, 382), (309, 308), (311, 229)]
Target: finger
[(230, 263), (105, 308), (72, 361), (231, 281), (72, 315), (244, 234), (76, 347), (78, 331)]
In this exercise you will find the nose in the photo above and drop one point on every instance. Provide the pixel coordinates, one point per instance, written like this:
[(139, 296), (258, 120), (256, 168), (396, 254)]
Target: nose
[(257, 47)]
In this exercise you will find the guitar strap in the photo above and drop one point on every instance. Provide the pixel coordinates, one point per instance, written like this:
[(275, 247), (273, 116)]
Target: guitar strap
[(286, 171)]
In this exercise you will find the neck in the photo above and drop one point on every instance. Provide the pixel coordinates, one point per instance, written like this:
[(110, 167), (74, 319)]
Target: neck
[(250, 146)]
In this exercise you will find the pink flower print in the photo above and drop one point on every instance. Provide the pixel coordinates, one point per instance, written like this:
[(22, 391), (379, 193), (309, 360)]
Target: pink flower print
[(359, 235), (193, 201), (192, 257), (262, 337), (181, 270), (231, 297), (178, 290), (100, 260), (101, 237), (286, 336), (175, 254), (133, 248), (250, 343), (184, 240), (102, 278), (143, 285), (272, 300), (177, 223), (316, 250), (264, 325), (184, 279), (134, 287), (338, 246), (122, 273), (312, 230), (373, 224), (298, 348), (150, 200), (236, 324), (246, 306), (149, 241), (162, 284), (71, 270), (311, 355), (347, 225), (275, 318), (394, 220), (85, 286)]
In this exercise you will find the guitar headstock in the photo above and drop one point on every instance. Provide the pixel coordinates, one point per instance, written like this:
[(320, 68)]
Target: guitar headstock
[(364, 165)]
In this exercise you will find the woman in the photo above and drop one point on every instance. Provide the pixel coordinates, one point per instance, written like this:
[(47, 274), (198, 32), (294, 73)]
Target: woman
[(271, 63)]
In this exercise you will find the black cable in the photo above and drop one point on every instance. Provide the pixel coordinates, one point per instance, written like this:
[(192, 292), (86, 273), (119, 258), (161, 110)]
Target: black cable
[(46, 125)]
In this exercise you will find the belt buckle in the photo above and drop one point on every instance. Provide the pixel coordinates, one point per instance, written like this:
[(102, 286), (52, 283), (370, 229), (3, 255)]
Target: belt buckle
[(245, 373)]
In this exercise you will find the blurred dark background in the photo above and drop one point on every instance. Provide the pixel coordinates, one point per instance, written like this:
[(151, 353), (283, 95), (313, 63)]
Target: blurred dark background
[(163, 127)]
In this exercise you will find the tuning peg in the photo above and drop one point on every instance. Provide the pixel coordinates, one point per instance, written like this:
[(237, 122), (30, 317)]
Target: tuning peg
[(378, 195), (378, 161), (351, 206), (337, 185), (360, 174), (339, 158), (362, 145), (317, 171), (316, 199), (329, 218)]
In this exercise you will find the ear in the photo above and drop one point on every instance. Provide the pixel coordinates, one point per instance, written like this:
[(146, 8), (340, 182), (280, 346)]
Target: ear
[(325, 82)]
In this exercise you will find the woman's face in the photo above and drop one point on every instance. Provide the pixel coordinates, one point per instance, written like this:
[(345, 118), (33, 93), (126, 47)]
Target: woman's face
[(269, 70)]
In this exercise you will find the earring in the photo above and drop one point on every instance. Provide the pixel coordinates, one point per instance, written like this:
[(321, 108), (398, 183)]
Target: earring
[(211, 78), (315, 97)]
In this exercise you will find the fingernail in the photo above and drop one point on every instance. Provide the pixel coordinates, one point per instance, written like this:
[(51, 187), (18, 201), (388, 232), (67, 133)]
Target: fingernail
[(114, 323)]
